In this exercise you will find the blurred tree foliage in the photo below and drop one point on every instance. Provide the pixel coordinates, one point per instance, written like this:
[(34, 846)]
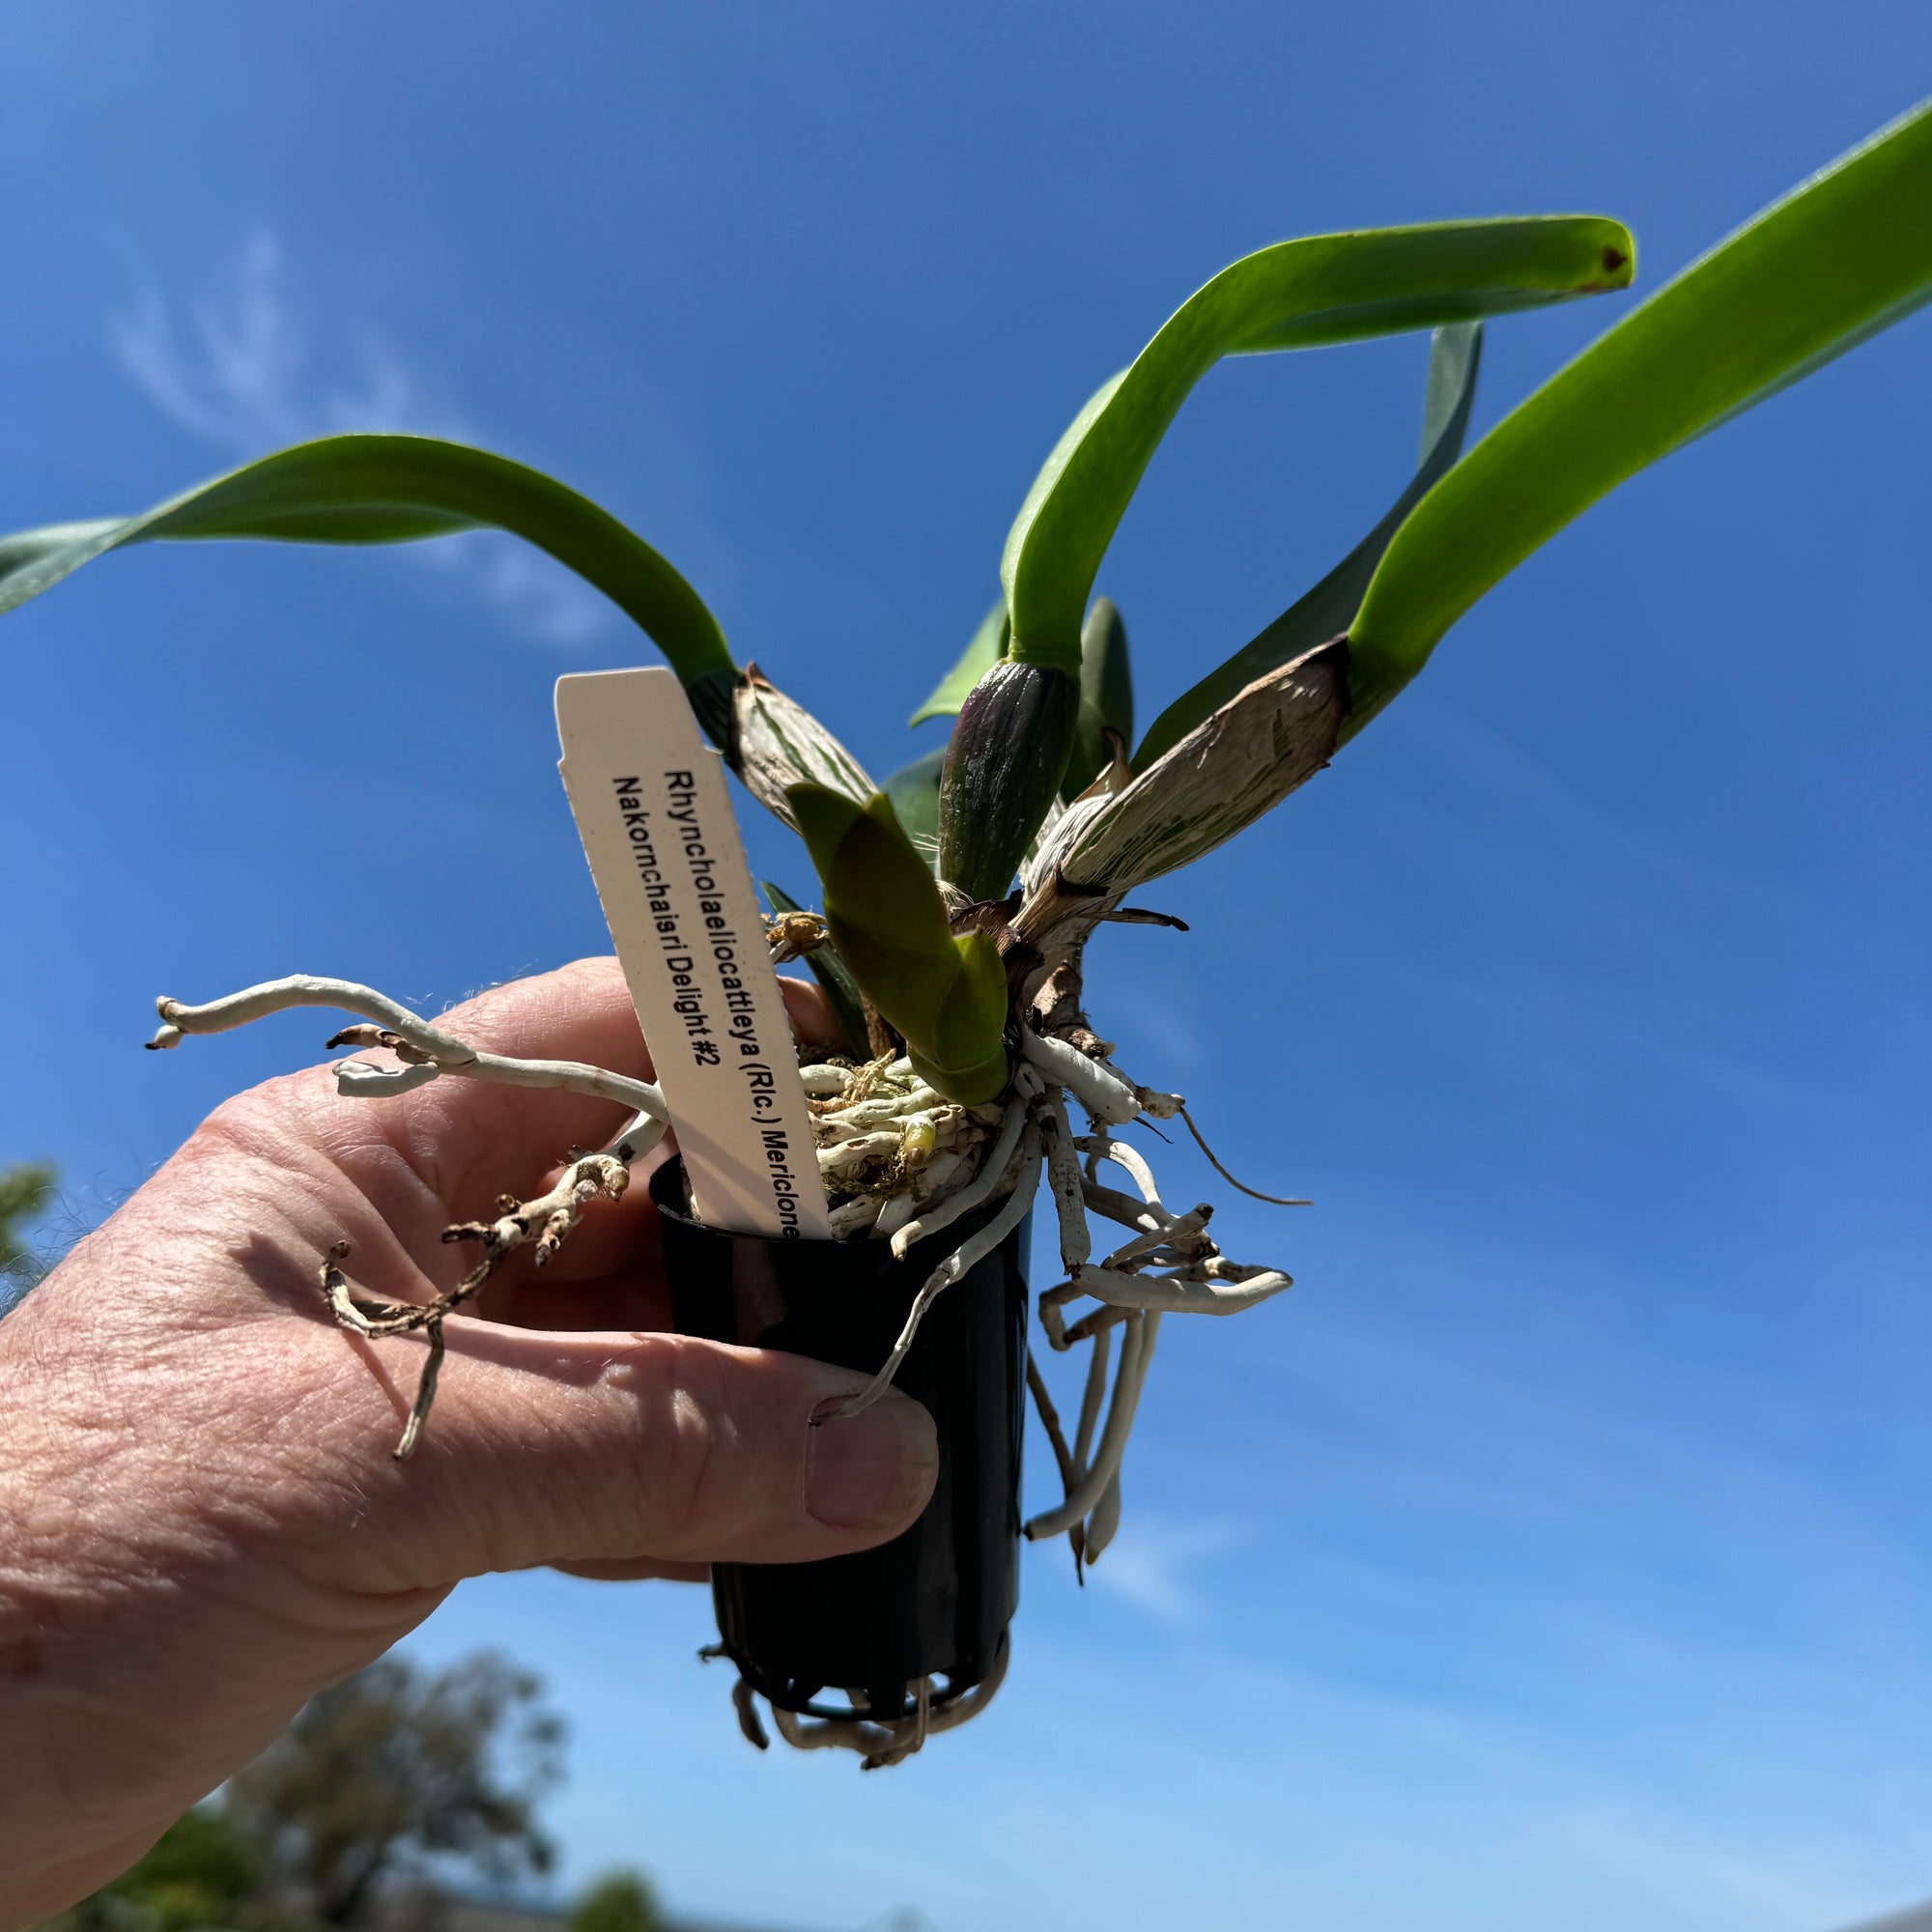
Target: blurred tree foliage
[(23, 1192), (201, 1874), (384, 1785), (393, 1769), (24, 1189), (621, 1901)]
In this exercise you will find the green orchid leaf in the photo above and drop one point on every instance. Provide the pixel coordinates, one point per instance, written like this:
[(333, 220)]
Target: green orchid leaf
[(1296, 295), (1106, 696), (835, 980), (1842, 256), (887, 917), (968, 1057), (987, 648), (946, 996), (1455, 355), (913, 791), (397, 489)]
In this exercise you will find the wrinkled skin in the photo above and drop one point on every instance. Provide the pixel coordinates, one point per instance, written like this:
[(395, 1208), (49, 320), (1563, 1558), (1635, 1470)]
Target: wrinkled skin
[(200, 1522)]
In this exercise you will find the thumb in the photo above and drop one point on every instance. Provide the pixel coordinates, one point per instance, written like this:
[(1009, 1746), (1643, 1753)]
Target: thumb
[(593, 1448)]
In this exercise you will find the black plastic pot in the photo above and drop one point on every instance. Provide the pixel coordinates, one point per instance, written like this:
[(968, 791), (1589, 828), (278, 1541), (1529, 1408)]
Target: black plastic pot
[(936, 1601)]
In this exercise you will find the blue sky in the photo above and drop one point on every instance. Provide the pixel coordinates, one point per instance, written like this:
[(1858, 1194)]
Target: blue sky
[(1557, 1552)]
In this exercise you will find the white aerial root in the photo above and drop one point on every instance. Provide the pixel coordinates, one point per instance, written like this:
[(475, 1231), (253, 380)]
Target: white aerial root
[(1099, 1088), (888, 1143), (1136, 1352), (1170, 1265), (975, 1248), (977, 1193), (426, 1052), (900, 1163)]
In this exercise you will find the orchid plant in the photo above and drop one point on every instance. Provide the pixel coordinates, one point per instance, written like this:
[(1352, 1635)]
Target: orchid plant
[(958, 894)]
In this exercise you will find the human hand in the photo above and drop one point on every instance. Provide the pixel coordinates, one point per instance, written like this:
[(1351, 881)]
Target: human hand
[(201, 1524)]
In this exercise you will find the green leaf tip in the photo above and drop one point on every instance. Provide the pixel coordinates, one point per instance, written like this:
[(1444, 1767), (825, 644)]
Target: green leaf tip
[(946, 996), (1840, 257), (381, 488), (1106, 698), (1296, 295)]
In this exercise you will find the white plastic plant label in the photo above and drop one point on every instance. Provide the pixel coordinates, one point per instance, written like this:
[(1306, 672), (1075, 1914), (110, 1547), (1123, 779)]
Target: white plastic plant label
[(650, 802)]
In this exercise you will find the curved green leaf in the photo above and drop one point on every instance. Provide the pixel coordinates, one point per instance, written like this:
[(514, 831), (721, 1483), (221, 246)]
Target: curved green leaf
[(1837, 260), (987, 648), (1455, 355), (946, 996), (967, 1060), (1106, 696), (396, 488), (1296, 295)]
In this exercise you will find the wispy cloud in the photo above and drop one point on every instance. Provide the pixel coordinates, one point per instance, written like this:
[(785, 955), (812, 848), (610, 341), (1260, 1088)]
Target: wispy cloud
[(236, 365), (1155, 1561)]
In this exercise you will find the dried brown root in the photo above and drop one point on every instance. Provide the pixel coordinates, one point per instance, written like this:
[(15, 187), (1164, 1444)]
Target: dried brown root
[(1140, 916), (427, 1053), (1213, 1161), (791, 936), (546, 1220)]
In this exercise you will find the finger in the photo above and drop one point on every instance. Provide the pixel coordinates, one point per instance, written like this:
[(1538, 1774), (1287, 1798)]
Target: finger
[(545, 1448), (582, 1012), (448, 1151), (636, 1569), (476, 1140), (630, 1296), (813, 1019), (485, 1139), (623, 1239)]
